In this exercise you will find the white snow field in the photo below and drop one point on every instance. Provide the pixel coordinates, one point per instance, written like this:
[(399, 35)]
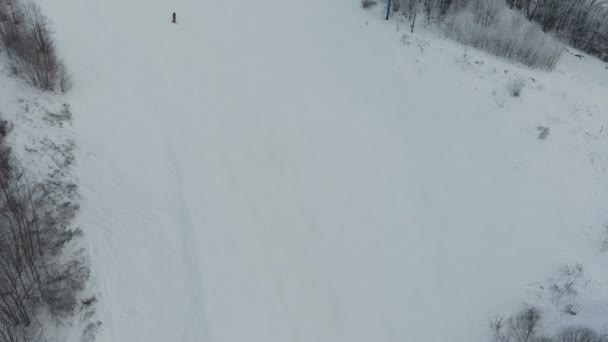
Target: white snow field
[(282, 170)]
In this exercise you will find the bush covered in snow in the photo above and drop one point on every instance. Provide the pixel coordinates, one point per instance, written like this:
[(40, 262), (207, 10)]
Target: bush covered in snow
[(490, 26), (525, 326)]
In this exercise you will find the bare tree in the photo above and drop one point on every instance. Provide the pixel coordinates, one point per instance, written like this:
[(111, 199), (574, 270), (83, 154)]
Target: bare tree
[(524, 326), (499, 331), (65, 80), (38, 50), (25, 34), (429, 6), (580, 334)]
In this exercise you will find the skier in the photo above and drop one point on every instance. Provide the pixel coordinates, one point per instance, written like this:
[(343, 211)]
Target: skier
[(174, 18)]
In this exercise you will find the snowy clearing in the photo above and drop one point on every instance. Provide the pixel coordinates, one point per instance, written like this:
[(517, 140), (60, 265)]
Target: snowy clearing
[(292, 171)]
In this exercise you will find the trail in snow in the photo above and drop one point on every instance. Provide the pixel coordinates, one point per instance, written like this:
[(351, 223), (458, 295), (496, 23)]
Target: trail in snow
[(195, 317), (280, 171)]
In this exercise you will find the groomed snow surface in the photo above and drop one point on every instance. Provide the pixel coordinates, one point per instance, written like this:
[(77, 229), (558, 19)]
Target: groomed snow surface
[(283, 170)]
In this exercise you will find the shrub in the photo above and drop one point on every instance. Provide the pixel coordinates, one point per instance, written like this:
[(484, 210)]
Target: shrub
[(504, 33), (604, 238), (65, 80), (368, 3), (524, 325), (543, 132), (4, 150), (543, 339), (579, 334), (499, 332), (485, 12), (515, 86)]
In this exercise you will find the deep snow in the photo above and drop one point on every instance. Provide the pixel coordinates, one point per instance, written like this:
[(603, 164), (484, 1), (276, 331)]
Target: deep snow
[(302, 171)]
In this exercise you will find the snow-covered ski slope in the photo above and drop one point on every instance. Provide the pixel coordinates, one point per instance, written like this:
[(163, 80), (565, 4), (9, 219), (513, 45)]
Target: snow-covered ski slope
[(284, 170)]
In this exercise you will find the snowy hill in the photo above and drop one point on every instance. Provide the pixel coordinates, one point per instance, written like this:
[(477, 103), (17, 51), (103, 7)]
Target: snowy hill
[(305, 171)]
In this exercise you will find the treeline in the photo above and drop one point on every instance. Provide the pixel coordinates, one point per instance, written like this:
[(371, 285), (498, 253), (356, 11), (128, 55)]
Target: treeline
[(39, 280), (525, 326), (582, 24), (36, 276), (26, 38)]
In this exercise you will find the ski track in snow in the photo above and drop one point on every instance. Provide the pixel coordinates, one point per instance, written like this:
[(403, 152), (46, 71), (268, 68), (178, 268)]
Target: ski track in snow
[(197, 328)]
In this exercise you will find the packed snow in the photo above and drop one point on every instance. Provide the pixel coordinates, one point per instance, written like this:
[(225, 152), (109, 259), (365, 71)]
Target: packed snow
[(306, 171)]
